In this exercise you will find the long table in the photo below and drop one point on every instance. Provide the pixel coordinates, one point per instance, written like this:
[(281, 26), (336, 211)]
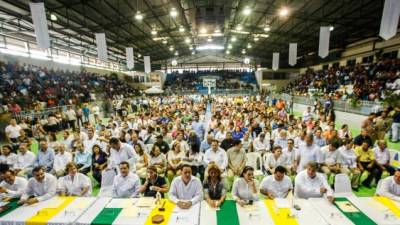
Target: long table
[(115, 211)]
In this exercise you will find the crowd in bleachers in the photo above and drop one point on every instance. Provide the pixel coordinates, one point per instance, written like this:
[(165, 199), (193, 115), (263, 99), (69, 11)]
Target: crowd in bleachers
[(188, 80), (370, 81), (27, 87), (167, 143)]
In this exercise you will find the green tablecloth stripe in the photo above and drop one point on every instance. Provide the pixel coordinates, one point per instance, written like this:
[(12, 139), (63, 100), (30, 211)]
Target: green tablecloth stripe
[(358, 218), (13, 204), (106, 216), (227, 215)]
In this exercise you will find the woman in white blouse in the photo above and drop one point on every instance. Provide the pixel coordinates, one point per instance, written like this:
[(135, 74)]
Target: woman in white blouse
[(175, 158), (221, 133), (244, 190), (7, 156), (142, 162), (74, 184), (157, 159), (275, 159), (344, 132)]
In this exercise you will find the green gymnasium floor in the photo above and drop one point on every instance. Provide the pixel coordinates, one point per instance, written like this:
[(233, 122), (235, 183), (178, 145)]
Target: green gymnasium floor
[(362, 192)]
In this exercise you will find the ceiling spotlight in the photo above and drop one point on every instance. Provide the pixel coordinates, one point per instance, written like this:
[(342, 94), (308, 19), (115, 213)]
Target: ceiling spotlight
[(193, 53), (249, 45), (246, 60), (267, 28), (233, 39), (187, 40), (174, 62), (203, 30), (239, 27), (173, 12), (243, 51), (191, 48), (171, 48), (181, 29), (247, 11), (229, 46), (139, 55), (53, 17), (264, 35), (331, 28), (164, 42), (217, 30), (176, 53), (283, 12), (138, 16), (228, 52), (209, 39), (154, 31), (256, 38)]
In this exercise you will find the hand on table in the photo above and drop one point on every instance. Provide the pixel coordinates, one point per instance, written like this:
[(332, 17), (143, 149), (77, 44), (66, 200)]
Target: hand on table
[(184, 204), (323, 190)]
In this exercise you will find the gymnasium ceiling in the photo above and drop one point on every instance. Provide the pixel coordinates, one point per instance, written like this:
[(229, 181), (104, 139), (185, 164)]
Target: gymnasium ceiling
[(196, 22)]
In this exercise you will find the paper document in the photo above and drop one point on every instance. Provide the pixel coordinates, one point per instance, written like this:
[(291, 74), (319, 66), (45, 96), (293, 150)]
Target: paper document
[(129, 212), (282, 203), (346, 206)]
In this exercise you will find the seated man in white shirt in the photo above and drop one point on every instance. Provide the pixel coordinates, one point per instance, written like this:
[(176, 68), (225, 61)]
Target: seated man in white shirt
[(42, 186), (390, 187), (61, 159), (330, 159), (261, 144), (126, 184), (310, 184), (277, 185), (290, 155), (74, 184), (12, 186), (25, 161), (216, 155), (186, 190)]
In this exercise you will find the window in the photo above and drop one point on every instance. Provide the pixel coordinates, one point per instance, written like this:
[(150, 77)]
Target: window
[(368, 59), (390, 55), (351, 62)]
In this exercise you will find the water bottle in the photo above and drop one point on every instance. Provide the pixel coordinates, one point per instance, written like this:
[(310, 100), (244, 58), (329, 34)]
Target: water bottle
[(158, 198)]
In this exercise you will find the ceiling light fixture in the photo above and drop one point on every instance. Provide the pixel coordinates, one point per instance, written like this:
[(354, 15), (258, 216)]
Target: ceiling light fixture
[(267, 28), (249, 45), (203, 30), (331, 28), (191, 48), (174, 62), (229, 46), (239, 27), (176, 53), (264, 35), (246, 60), (53, 17), (233, 39), (154, 31), (171, 48), (228, 52), (247, 11), (210, 47), (209, 39), (164, 42), (217, 30), (138, 16), (173, 12), (193, 53), (181, 29), (283, 12), (256, 38), (243, 51), (139, 55), (187, 40)]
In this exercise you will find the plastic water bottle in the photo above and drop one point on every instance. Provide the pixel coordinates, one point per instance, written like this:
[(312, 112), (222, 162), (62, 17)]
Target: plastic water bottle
[(158, 198)]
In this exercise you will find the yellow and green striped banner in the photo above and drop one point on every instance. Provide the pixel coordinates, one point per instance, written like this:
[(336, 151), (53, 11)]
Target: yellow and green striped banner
[(389, 204), (280, 216), (44, 215)]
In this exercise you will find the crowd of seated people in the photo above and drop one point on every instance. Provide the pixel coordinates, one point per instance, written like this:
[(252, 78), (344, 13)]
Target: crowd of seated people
[(188, 80), (171, 147), (362, 81), (26, 87)]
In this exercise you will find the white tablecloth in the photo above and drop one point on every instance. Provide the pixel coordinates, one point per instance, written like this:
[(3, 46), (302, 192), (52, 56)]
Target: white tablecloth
[(329, 212), (66, 216), (376, 211), (178, 217)]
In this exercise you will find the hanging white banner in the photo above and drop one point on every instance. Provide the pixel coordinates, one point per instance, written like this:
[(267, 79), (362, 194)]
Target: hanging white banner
[(40, 24), (292, 54), (101, 46), (130, 63), (324, 35), (390, 19), (275, 61), (147, 65)]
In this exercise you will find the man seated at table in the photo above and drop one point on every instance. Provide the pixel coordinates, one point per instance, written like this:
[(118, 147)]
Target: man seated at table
[(12, 186), (74, 183), (42, 186), (310, 184), (277, 185), (126, 184), (186, 190), (390, 187)]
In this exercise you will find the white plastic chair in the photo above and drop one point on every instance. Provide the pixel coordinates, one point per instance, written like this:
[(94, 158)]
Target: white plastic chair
[(107, 180), (254, 160), (378, 186), (343, 185)]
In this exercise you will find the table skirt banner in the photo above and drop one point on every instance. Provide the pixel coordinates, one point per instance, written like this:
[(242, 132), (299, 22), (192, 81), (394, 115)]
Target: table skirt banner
[(11, 206), (352, 212), (55, 211), (376, 210), (109, 211)]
